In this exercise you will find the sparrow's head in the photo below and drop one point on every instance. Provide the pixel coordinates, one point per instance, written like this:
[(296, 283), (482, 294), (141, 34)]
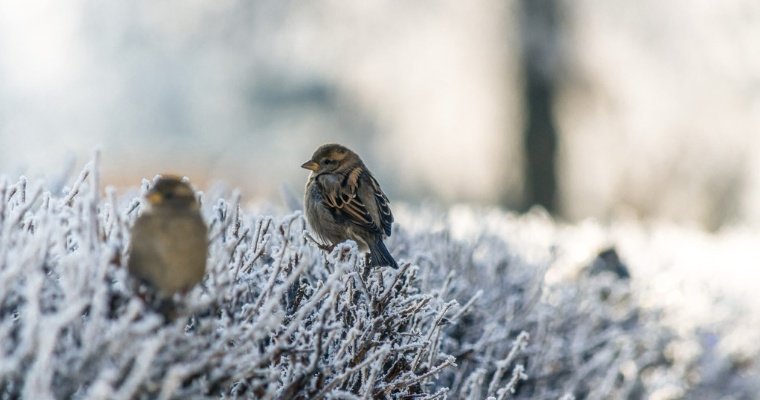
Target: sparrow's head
[(331, 157), (172, 193)]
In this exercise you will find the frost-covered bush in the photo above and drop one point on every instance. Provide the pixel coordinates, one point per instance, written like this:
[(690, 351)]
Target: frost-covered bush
[(277, 318)]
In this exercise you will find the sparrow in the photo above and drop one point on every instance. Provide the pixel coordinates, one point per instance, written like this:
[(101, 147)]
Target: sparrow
[(169, 242), (342, 201)]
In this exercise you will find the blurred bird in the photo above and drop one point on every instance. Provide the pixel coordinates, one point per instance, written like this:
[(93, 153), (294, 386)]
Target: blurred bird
[(343, 201), (169, 241)]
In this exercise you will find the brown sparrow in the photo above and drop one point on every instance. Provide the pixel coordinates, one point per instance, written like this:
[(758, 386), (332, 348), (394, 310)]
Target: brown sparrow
[(343, 201), (169, 241)]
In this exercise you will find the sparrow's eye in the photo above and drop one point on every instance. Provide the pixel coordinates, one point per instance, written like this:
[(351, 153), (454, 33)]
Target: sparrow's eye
[(328, 161)]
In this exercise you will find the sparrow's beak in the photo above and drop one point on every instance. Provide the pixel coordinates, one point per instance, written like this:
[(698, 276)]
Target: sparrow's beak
[(310, 165), (155, 198)]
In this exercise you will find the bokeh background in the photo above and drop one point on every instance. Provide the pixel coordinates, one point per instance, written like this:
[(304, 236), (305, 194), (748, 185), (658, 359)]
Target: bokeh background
[(592, 109)]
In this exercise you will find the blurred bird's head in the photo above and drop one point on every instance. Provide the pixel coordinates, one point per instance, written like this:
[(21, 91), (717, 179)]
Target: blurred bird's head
[(172, 193), (331, 157)]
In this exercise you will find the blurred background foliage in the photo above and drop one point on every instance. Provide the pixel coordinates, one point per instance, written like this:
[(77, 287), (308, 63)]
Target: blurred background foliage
[(589, 108)]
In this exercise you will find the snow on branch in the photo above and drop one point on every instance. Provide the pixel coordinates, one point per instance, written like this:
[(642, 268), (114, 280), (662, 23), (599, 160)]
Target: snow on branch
[(277, 318)]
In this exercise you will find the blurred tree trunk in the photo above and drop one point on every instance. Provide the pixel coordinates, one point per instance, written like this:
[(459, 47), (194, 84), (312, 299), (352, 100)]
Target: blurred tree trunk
[(540, 59)]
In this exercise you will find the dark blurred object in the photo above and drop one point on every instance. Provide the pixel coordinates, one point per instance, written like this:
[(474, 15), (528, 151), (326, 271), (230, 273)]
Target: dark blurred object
[(608, 261), (541, 60), (169, 245)]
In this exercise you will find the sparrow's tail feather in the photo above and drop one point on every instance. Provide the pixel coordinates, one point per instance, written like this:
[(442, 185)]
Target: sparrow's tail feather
[(380, 256)]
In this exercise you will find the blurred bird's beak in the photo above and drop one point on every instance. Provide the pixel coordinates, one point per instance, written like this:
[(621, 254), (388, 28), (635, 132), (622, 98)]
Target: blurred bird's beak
[(154, 198), (310, 165)]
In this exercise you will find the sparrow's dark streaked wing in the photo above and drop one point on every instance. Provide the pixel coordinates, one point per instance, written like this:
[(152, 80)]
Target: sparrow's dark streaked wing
[(341, 196), (386, 217)]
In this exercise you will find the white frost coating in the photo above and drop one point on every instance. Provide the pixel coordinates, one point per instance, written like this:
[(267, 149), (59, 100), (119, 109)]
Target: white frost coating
[(466, 316)]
